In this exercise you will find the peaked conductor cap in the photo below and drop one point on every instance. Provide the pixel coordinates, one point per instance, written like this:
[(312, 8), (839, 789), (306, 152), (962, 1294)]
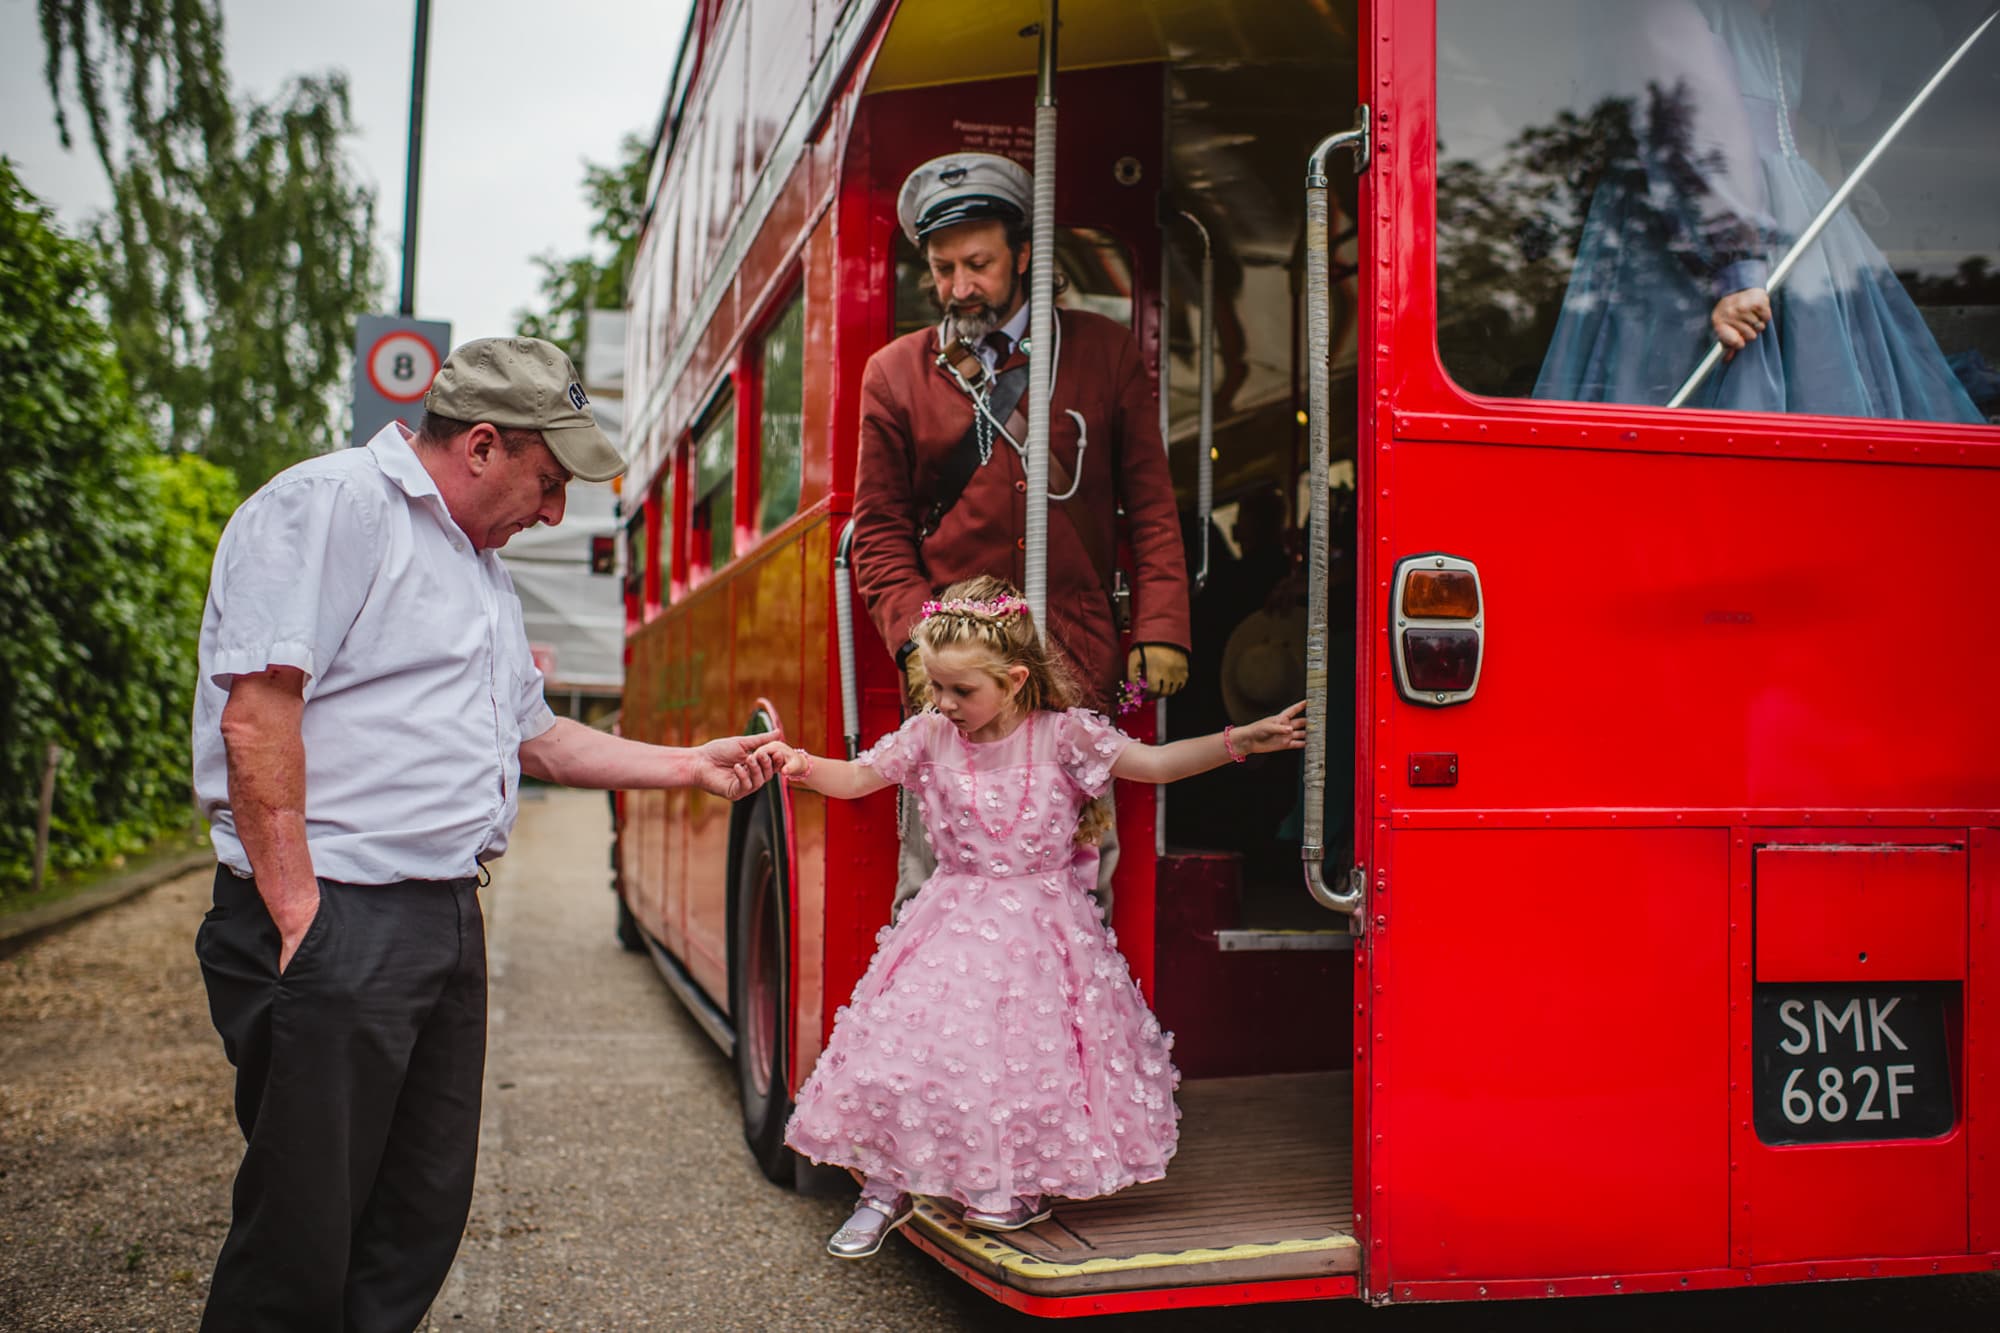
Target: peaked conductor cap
[(963, 187), (526, 384)]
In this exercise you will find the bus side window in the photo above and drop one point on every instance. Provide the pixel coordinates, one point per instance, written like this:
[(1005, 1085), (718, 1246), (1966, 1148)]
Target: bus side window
[(712, 521), (780, 405), (635, 569)]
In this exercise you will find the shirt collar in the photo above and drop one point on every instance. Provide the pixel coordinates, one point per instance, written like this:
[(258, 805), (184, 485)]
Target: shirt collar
[(397, 458), (1017, 327)]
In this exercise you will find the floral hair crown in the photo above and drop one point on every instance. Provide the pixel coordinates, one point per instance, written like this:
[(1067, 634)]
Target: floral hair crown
[(965, 606)]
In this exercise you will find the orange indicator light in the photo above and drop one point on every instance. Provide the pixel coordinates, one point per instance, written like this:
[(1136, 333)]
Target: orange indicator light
[(1441, 594)]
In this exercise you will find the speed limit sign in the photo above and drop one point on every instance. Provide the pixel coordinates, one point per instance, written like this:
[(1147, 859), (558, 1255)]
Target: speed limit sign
[(401, 366), (395, 360)]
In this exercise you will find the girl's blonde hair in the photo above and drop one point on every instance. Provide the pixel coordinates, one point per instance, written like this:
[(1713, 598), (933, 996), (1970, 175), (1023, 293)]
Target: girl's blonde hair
[(989, 616)]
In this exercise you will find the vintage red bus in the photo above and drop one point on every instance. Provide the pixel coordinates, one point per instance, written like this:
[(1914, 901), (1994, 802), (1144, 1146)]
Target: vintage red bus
[(1673, 831)]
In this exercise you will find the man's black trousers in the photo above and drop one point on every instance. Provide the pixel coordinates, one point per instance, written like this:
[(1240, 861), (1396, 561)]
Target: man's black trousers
[(357, 1087)]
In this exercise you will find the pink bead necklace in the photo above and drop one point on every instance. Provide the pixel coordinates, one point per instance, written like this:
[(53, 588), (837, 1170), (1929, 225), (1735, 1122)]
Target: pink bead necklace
[(1000, 835)]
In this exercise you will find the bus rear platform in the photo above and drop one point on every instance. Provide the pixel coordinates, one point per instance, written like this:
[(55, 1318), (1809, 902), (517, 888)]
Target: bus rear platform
[(1260, 1192)]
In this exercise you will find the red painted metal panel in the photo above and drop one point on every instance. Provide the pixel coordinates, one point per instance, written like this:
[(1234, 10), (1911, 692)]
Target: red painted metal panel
[(1856, 1201), (1860, 913), (1734, 669), (1711, 1279), (1220, 1006), (1551, 1085), (1982, 1044)]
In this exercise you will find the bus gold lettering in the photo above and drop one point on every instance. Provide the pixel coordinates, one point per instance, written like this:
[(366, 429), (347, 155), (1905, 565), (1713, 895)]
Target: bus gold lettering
[(1788, 1015), (1878, 1022), (1849, 1013)]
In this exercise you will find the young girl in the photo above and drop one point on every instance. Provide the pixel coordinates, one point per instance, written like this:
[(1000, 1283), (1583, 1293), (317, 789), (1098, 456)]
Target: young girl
[(996, 1052)]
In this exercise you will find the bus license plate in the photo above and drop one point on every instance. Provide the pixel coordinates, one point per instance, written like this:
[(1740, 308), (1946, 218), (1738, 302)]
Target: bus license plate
[(1852, 1063)]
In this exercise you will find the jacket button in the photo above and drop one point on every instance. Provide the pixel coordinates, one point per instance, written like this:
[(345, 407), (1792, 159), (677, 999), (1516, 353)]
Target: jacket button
[(1020, 543), (1021, 486)]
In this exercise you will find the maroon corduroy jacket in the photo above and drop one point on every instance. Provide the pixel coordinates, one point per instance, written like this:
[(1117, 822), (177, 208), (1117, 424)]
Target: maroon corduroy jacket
[(912, 418)]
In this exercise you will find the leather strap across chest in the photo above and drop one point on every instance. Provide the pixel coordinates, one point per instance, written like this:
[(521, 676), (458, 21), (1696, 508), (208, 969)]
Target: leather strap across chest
[(1006, 397)]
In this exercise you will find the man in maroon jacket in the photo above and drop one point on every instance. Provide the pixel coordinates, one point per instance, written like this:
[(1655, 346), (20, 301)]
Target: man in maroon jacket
[(940, 490)]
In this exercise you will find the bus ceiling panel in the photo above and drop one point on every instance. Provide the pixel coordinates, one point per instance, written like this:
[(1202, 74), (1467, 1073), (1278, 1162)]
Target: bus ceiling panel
[(947, 41)]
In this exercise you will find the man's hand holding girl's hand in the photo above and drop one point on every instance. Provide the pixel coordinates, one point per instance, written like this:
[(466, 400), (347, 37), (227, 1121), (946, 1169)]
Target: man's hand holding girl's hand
[(786, 761), (1280, 731), (732, 767)]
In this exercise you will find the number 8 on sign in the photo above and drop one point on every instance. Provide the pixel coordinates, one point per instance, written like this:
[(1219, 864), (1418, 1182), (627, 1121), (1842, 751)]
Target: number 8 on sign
[(401, 366)]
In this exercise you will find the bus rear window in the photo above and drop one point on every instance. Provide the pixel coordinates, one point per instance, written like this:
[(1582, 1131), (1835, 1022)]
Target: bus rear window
[(1618, 181)]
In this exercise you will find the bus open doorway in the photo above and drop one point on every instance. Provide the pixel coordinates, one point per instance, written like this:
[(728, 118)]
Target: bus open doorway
[(1186, 140)]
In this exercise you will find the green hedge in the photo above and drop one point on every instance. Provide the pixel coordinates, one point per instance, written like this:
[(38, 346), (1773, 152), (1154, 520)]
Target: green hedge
[(104, 551)]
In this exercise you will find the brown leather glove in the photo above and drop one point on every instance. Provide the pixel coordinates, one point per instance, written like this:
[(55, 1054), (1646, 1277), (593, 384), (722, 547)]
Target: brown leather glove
[(1161, 668), (916, 681)]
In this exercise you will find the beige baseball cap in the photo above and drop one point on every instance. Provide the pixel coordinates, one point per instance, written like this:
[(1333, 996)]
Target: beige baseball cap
[(526, 384)]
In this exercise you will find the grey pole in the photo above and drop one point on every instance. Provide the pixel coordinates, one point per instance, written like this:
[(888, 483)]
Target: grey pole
[(408, 304)]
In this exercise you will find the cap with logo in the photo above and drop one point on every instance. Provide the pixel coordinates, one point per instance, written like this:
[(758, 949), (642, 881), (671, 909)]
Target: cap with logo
[(963, 187), (526, 384)]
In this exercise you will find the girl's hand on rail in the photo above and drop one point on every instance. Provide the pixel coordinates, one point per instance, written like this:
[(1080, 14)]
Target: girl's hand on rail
[(1280, 731)]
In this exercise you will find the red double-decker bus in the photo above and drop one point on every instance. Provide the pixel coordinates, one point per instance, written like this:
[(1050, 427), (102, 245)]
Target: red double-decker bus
[(1647, 935)]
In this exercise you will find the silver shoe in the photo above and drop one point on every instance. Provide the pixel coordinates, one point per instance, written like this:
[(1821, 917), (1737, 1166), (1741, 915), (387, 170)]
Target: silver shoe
[(1024, 1213), (863, 1233)]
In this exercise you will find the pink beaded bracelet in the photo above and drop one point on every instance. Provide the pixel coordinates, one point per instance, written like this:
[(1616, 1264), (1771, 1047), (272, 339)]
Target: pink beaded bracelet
[(1229, 749)]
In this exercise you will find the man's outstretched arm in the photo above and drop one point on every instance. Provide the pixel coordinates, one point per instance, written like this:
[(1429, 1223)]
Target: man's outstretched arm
[(578, 756)]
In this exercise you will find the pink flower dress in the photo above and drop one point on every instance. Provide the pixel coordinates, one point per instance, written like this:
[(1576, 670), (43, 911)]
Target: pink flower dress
[(997, 1046)]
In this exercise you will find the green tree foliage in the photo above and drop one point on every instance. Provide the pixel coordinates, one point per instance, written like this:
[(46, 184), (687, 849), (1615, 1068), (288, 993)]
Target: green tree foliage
[(239, 246), (574, 287), (104, 546)]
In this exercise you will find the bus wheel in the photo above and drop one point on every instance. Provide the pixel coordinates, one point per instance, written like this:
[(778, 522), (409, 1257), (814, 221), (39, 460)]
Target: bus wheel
[(628, 928), (630, 937), (761, 996)]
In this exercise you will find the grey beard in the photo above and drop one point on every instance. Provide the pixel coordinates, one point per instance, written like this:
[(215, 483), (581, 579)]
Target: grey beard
[(972, 326)]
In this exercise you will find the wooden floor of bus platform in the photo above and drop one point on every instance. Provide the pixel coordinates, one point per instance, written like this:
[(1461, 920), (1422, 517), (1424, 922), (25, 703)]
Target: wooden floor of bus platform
[(1261, 1189)]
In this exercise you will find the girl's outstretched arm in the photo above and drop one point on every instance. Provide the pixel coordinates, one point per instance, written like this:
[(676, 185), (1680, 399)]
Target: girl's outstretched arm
[(838, 778), (1197, 754)]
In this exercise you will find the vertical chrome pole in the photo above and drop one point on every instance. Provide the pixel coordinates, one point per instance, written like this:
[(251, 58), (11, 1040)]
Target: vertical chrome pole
[(1041, 323), (1319, 418)]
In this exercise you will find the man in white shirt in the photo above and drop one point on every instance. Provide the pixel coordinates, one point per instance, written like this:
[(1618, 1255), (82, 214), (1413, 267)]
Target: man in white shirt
[(366, 708)]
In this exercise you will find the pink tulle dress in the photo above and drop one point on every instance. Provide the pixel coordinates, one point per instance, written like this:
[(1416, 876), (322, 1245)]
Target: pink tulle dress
[(997, 1046)]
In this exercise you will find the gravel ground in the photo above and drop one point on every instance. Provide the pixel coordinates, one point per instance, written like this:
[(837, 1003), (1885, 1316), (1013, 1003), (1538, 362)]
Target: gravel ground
[(117, 1144), (614, 1192)]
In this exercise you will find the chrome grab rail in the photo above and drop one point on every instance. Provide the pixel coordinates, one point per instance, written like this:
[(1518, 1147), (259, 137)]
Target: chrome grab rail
[(1204, 468), (1319, 408), (843, 629)]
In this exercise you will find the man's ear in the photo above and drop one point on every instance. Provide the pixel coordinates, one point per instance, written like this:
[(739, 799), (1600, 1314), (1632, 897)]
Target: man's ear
[(1021, 258), (481, 445)]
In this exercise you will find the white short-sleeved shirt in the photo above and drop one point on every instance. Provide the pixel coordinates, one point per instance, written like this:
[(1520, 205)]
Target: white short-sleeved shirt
[(419, 684)]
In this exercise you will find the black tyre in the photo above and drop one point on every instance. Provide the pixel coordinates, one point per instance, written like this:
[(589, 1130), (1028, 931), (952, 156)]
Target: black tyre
[(630, 937), (760, 994)]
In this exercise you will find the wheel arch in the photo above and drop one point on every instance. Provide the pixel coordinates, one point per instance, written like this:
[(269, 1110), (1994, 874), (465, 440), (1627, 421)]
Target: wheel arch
[(776, 799)]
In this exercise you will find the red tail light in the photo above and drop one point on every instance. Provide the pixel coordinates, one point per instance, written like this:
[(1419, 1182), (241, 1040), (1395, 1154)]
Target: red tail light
[(1440, 632)]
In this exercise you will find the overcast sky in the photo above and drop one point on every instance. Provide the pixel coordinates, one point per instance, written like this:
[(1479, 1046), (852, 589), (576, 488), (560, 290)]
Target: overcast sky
[(519, 95)]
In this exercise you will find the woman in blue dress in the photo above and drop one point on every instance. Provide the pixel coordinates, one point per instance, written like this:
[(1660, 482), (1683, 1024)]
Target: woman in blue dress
[(1685, 228)]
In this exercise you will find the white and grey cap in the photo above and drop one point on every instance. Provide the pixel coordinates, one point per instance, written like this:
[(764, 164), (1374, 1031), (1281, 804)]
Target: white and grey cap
[(526, 384), (963, 187)]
